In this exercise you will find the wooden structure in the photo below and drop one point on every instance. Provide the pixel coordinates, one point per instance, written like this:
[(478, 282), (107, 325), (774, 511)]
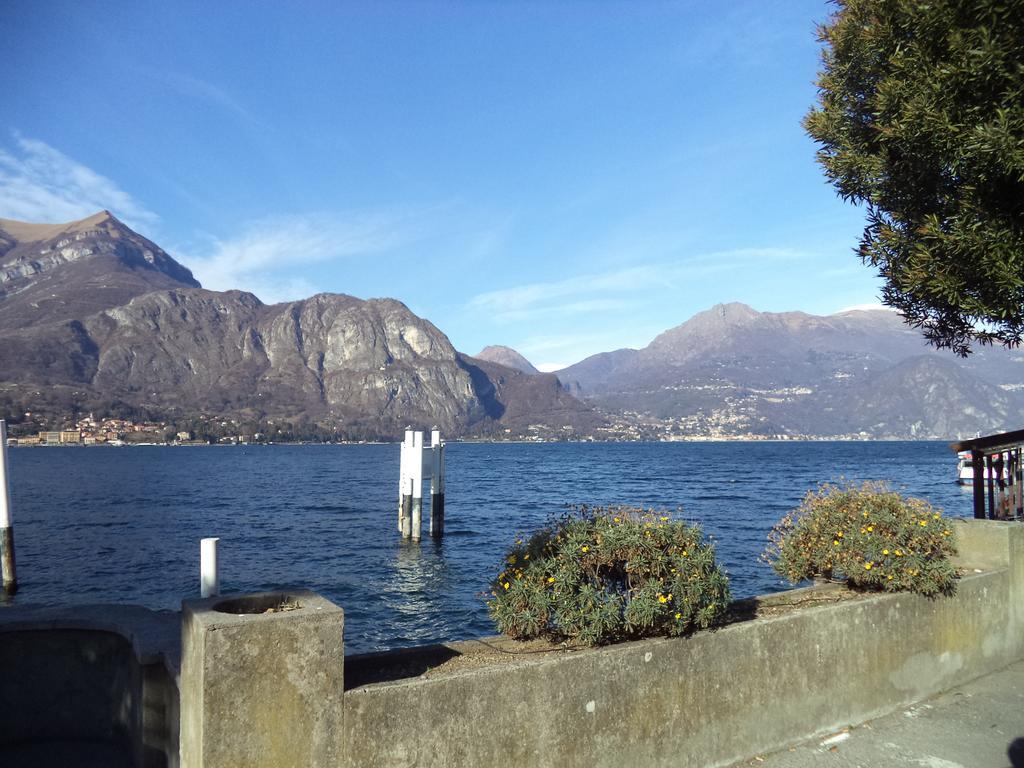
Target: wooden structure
[(998, 468)]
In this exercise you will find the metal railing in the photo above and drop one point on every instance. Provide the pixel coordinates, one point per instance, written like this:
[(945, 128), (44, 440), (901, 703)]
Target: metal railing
[(997, 463)]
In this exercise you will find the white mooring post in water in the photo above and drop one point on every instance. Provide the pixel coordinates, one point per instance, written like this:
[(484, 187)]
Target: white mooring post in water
[(436, 484), (10, 576), (414, 463), (404, 484), (209, 575), (417, 485)]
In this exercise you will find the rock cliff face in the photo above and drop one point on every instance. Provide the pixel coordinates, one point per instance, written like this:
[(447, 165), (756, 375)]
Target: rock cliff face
[(123, 321), (330, 356)]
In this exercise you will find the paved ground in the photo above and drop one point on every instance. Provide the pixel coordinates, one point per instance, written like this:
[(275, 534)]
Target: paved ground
[(979, 725)]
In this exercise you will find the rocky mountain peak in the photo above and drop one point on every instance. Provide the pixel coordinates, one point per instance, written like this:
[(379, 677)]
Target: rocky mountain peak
[(508, 357), (58, 272), (705, 331)]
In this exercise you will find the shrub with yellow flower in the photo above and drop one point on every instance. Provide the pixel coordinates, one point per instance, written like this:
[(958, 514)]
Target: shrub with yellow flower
[(885, 530), (605, 574)]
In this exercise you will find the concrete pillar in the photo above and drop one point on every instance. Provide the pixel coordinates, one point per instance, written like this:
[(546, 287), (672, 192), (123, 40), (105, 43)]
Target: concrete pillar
[(262, 681)]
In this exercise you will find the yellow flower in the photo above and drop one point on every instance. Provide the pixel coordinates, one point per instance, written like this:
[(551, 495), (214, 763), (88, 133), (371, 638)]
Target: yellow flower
[(526, 557), (505, 585), (899, 553), (617, 520), (669, 595), (679, 615), (839, 535), (935, 516), (662, 599), (511, 559), (685, 553), (885, 551), (889, 577), (923, 523), (664, 519), (551, 579), (871, 528), (584, 548), (836, 542), (867, 566)]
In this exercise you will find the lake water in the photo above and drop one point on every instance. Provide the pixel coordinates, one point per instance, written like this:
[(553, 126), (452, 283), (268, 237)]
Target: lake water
[(123, 524)]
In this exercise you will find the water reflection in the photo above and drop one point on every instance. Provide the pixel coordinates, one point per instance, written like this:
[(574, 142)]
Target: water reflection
[(417, 588)]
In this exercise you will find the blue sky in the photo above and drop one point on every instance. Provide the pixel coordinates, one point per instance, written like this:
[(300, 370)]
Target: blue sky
[(561, 177)]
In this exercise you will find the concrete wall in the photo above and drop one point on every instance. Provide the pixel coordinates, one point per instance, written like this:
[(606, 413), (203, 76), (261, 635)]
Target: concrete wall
[(271, 685), (71, 684), (88, 675), (713, 698)]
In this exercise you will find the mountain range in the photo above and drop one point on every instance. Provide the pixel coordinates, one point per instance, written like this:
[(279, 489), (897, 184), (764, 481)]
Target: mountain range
[(93, 316), (733, 370)]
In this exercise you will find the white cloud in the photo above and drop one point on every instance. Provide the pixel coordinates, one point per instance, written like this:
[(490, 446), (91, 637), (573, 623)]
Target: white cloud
[(202, 90), (866, 308), (550, 367), (583, 293), (40, 184), (264, 257)]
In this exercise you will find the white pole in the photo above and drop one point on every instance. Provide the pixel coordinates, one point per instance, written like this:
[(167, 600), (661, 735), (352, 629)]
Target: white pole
[(209, 578), (7, 567), (406, 526), (417, 485), (403, 473), (436, 485), (5, 495)]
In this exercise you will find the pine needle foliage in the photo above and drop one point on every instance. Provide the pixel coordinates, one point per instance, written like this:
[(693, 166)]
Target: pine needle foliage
[(921, 119), (604, 574)]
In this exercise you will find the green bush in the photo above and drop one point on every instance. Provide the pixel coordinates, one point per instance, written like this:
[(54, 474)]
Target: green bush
[(605, 574), (868, 535)]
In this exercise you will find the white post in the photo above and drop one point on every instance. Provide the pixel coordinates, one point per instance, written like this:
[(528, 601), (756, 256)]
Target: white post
[(416, 465), (7, 567), (406, 528), (403, 474), (209, 577), (436, 485)]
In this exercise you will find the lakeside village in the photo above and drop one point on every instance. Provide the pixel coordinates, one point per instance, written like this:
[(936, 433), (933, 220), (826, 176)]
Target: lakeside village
[(112, 431)]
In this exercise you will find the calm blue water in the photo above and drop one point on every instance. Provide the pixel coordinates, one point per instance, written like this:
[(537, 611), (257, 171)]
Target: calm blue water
[(123, 524)]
